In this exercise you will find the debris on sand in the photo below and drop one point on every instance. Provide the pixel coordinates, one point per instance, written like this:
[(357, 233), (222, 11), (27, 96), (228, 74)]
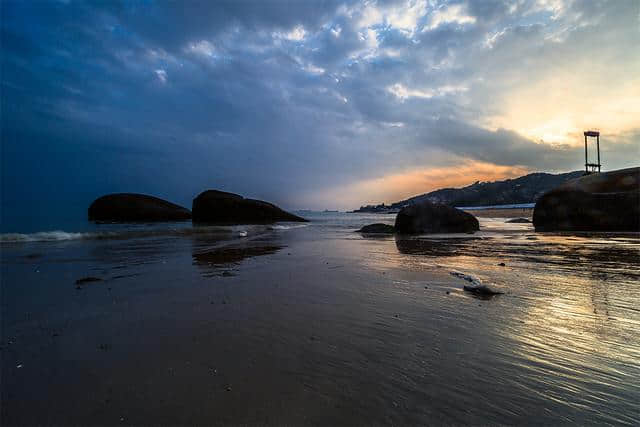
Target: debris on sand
[(88, 280), (482, 290), (518, 221), (476, 287)]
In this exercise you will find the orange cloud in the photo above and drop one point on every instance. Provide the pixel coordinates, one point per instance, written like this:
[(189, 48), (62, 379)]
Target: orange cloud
[(395, 187)]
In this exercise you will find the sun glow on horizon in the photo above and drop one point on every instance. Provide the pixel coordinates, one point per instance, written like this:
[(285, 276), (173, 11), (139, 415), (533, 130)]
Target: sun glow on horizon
[(399, 186)]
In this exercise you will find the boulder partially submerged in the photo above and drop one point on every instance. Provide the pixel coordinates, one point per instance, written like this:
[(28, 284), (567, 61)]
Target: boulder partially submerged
[(607, 201), (219, 207), (122, 207), (427, 217), (378, 228)]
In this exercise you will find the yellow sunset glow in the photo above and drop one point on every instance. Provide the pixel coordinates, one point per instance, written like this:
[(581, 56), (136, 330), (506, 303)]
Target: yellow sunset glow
[(557, 110)]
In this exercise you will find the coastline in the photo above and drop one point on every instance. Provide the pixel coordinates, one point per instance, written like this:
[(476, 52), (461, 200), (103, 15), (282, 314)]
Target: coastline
[(501, 212)]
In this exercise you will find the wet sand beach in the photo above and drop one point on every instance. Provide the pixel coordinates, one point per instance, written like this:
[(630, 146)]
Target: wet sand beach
[(319, 325)]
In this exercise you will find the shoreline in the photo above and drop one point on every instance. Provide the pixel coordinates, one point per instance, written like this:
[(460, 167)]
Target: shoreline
[(501, 212)]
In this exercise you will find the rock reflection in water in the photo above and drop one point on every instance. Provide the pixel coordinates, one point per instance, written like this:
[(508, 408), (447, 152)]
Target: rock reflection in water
[(612, 252), (434, 247), (213, 260)]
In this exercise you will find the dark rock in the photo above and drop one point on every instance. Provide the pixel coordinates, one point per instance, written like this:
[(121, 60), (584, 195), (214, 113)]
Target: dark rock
[(482, 290), (427, 217), (218, 207), (518, 221), (502, 264), (135, 207), (607, 201), (476, 287), (378, 228)]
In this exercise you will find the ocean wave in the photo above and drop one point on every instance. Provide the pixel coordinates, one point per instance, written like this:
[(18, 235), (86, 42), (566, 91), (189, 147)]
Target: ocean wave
[(59, 235), (43, 236), (286, 227), (130, 233)]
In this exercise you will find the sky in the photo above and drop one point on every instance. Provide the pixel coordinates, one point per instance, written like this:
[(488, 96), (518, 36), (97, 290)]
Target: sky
[(308, 104)]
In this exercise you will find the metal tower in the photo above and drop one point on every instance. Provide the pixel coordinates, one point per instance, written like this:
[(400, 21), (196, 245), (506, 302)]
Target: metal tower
[(591, 167)]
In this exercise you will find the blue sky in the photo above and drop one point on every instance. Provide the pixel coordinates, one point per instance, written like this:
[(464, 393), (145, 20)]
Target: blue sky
[(324, 104)]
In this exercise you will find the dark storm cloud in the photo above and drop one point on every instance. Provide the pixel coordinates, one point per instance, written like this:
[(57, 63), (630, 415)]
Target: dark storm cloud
[(270, 99)]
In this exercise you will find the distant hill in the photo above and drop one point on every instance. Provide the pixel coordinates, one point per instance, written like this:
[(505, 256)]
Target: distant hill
[(526, 189)]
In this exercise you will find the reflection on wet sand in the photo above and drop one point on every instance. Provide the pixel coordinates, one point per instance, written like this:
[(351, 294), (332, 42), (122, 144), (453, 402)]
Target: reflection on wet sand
[(612, 252), (213, 259), (434, 247), (568, 323), (338, 329), (569, 342)]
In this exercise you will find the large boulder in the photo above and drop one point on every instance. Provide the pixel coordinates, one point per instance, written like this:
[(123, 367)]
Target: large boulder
[(135, 207), (427, 217), (219, 207), (607, 201)]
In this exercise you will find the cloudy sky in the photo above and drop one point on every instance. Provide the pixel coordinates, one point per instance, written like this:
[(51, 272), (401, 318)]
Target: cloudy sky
[(310, 104)]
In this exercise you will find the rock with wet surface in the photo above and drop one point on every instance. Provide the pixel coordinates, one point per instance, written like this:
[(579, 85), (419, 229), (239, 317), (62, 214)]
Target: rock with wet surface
[(608, 201), (481, 290), (427, 217), (476, 287)]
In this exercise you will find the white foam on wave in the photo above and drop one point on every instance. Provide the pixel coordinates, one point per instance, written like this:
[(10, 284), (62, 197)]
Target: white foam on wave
[(59, 235), (44, 236), (286, 227)]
